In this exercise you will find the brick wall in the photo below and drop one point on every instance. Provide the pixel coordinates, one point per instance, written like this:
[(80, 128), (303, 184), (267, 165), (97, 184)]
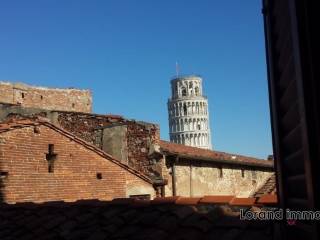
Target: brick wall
[(136, 186), (139, 136), (23, 157), (46, 98)]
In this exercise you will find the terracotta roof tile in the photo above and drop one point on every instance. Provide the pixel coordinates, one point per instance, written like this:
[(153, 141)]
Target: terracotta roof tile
[(268, 199), (165, 200), (141, 203), (216, 199), (93, 220), (188, 200), (197, 221), (123, 201), (184, 211), (242, 201), (209, 155)]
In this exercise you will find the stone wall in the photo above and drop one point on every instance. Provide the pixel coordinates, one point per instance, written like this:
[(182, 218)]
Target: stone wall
[(86, 125), (78, 172), (113, 140), (203, 178), (140, 138), (128, 140), (46, 98)]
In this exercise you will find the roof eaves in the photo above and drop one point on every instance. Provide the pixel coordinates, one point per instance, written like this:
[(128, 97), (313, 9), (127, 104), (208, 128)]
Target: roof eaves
[(218, 160)]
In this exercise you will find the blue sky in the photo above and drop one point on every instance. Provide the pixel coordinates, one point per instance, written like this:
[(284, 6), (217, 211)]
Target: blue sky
[(125, 52)]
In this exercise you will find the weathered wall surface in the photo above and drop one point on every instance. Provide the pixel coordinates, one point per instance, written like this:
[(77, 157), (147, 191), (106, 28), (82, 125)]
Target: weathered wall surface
[(23, 156), (6, 93), (140, 138), (113, 140), (83, 125), (137, 137), (163, 166), (86, 125), (13, 111), (137, 186), (204, 179), (46, 98)]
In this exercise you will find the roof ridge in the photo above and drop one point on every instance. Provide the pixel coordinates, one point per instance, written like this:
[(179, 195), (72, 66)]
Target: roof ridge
[(209, 150), (267, 199), (185, 150)]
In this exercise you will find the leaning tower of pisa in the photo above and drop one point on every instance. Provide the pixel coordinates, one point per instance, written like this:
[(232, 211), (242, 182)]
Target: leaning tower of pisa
[(188, 113)]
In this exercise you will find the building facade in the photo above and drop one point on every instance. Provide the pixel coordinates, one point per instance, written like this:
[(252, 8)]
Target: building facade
[(188, 113), (196, 172), (40, 162), (172, 169), (64, 99)]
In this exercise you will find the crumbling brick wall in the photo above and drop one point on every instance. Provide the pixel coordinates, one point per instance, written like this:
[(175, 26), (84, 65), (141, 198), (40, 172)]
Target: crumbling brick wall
[(75, 175), (46, 98), (84, 125), (140, 136)]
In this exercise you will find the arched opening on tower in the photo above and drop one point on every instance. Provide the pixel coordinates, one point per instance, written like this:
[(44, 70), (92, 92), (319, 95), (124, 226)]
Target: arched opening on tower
[(185, 109), (196, 89), (184, 92)]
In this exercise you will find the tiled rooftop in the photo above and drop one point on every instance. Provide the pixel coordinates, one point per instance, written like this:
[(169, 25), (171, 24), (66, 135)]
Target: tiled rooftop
[(209, 155), (162, 218)]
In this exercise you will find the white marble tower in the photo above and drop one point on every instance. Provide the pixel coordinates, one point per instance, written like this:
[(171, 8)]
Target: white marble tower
[(188, 113)]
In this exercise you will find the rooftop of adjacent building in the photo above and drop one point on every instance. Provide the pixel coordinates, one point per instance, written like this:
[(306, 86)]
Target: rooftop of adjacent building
[(166, 147), (212, 156), (209, 217)]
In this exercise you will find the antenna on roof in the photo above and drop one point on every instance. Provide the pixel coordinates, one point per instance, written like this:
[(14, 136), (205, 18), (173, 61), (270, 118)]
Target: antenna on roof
[(177, 69)]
